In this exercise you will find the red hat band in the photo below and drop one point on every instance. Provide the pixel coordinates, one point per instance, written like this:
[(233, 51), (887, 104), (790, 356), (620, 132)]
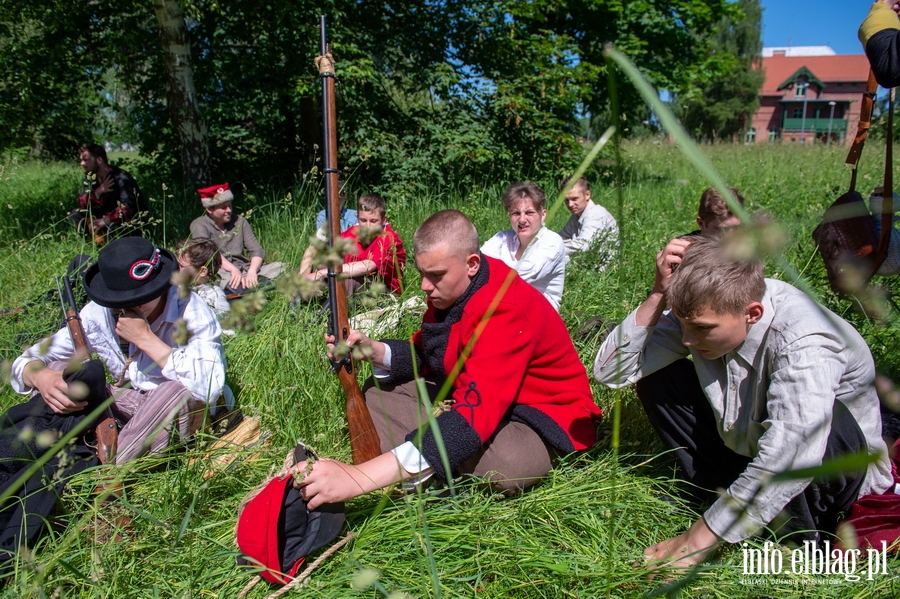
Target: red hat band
[(142, 269)]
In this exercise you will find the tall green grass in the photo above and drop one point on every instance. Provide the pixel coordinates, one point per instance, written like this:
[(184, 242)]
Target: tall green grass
[(553, 541)]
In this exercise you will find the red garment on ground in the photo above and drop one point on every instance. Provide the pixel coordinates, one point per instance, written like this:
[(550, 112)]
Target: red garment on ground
[(386, 251), (876, 518)]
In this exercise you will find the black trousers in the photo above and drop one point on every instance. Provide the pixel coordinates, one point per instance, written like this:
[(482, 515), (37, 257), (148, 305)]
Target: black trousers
[(680, 413)]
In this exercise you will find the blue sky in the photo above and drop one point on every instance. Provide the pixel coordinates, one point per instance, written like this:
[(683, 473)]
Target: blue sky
[(823, 23)]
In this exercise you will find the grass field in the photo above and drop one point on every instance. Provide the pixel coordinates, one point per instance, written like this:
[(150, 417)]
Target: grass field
[(577, 534)]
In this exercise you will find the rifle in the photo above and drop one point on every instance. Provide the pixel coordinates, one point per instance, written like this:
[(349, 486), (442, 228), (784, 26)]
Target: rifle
[(364, 442), (72, 318), (107, 430)]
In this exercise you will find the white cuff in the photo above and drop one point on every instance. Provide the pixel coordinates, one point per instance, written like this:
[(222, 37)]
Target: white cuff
[(384, 370), (411, 458)]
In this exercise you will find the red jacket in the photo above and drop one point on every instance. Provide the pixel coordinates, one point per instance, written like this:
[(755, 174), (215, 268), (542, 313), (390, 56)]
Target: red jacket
[(522, 366), (386, 251)]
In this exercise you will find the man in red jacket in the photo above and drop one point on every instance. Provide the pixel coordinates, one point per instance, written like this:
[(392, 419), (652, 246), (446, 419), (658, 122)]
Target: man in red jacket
[(515, 392)]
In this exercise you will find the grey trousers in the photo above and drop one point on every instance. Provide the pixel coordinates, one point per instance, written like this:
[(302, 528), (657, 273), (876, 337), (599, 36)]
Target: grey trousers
[(511, 460)]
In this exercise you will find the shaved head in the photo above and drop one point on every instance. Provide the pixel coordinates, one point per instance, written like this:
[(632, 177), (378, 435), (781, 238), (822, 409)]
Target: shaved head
[(447, 226)]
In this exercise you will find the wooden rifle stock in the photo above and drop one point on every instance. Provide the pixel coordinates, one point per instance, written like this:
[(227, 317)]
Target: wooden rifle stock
[(364, 442), (73, 319)]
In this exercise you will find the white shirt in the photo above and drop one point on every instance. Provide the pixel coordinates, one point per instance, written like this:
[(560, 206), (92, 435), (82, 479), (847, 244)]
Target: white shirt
[(214, 296), (543, 263), (199, 365), (772, 397), (595, 224)]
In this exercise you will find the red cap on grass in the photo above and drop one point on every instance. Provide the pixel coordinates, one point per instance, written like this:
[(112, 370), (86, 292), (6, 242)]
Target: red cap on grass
[(277, 532)]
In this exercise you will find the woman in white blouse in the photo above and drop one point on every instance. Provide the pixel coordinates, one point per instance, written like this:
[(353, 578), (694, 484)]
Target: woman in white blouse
[(533, 250)]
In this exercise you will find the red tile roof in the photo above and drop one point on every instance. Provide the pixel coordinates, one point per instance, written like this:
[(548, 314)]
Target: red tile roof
[(845, 68)]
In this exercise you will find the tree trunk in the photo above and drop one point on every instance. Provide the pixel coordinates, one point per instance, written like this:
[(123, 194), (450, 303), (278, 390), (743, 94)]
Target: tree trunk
[(181, 95)]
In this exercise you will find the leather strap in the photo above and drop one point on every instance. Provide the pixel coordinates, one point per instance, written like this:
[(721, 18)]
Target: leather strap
[(865, 121), (887, 204)]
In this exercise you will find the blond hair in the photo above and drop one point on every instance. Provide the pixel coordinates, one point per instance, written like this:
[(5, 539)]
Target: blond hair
[(585, 186), (710, 277), (447, 226)]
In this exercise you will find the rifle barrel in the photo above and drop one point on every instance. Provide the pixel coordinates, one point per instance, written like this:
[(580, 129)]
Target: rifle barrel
[(364, 441)]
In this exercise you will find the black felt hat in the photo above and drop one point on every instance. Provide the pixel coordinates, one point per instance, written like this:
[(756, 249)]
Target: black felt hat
[(277, 532), (129, 272)]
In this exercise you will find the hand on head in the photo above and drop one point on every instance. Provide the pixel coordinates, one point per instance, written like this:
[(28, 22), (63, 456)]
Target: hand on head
[(667, 262)]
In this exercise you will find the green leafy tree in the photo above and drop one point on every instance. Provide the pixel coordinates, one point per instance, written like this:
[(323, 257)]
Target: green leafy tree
[(49, 77), (720, 106), (431, 92)]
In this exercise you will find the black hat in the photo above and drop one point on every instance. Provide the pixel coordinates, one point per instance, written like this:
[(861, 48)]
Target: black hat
[(129, 272), (277, 532)]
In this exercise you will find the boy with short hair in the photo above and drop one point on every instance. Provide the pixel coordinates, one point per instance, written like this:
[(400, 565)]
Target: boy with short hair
[(378, 250), (242, 255), (777, 383), (202, 257), (589, 224), (714, 216), (520, 393)]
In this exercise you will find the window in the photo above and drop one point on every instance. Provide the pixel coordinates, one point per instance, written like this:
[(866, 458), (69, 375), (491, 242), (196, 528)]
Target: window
[(854, 84), (800, 91), (751, 136), (773, 134), (797, 114)]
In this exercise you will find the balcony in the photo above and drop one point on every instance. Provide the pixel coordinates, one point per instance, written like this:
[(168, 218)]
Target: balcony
[(819, 125)]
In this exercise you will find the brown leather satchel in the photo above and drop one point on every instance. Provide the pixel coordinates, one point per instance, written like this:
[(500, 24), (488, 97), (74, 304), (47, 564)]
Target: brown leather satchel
[(851, 247)]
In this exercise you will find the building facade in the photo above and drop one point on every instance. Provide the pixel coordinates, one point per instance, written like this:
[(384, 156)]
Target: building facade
[(812, 98)]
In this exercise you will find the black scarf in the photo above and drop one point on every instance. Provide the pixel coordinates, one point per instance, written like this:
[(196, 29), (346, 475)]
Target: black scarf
[(435, 334)]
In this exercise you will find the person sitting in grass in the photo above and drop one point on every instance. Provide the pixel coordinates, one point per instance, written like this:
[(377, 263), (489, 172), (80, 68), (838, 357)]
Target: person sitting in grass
[(776, 383), (377, 249), (242, 255), (135, 323), (348, 218), (714, 217), (109, 195), (534, 251), (518, 391), (591, 225), (202, 259)]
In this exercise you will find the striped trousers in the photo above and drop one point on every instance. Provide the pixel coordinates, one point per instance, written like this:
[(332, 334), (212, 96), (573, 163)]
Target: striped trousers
[(148, 416)]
